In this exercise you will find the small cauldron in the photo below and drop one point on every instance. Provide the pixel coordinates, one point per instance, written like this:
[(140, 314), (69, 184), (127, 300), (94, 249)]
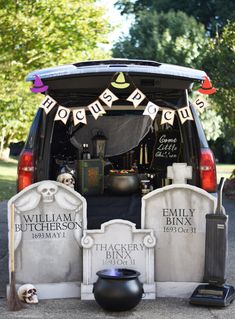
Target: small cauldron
[(118, 289), (123, 184)]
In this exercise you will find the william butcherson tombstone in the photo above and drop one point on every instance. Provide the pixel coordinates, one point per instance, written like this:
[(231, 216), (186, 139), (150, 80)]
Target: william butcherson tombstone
[(118, 244), (177, 213), (49, 222)]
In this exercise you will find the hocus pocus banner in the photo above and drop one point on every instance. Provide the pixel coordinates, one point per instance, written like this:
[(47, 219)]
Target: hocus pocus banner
[(107, 97)]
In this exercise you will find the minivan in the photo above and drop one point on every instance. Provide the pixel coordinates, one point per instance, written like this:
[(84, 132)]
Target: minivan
[(131, 138)]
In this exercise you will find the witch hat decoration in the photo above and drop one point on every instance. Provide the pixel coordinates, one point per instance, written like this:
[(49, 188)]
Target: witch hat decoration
[(39, 87), (206, 87), (120, 82)]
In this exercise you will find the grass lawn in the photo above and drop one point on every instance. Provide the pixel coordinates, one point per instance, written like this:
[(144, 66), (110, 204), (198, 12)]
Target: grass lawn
[(224, 170), (8, 172)]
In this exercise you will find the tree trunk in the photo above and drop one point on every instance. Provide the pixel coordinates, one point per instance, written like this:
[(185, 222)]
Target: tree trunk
[(4, 153)]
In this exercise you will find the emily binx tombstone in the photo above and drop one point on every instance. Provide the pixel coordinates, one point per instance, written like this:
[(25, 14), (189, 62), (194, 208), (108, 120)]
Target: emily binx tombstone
[(177, 213)]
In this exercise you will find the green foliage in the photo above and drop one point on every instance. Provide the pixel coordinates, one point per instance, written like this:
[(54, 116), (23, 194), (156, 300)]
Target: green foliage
[(212, 128), (211, 13), (37, 34), (212, 122), (175, 37), (219, 63), (171, 37)]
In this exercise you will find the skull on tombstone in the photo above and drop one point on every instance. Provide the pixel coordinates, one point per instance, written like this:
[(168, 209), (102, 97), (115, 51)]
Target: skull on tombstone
[(67, 179), (47, 190), (28, 293)]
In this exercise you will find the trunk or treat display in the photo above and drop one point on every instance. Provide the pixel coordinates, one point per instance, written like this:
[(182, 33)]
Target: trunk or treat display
[(118, 244), (49, 220), (129, 140)]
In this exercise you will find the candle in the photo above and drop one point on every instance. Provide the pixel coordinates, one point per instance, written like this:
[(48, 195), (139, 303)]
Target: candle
[(141, 154), (146, 154)]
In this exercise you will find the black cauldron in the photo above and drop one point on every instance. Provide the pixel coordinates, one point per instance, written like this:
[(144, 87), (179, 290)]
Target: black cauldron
[(123, 184), (118, 289)]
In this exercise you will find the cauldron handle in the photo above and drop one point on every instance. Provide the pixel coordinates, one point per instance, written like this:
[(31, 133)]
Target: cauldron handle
[(143, 292), (93, 290)]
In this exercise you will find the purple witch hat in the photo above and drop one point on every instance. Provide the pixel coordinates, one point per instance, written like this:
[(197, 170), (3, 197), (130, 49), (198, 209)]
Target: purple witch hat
[(39, 87)]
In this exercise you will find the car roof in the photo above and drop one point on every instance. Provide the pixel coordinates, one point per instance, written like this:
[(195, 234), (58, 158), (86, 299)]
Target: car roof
[(119, 65)]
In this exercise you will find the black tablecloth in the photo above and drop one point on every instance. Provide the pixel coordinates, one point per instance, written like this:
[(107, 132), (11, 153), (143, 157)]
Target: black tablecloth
[(103, 208)]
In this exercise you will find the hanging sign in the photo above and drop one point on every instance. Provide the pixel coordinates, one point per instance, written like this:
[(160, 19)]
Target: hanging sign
[(151, 110), (200, 103), (168, 116), (108, 97), (167, 148), (79, 116), (62, 114), (48, 103), (185, 114), (96, 109), (136, 97)]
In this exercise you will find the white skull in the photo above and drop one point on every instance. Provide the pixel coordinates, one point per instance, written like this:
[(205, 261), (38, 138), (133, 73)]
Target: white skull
[(67, 179), (47, 190), (28, 293)]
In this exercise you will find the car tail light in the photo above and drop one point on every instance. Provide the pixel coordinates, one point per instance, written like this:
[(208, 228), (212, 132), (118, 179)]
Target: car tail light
[(208, 171), (25, 170)]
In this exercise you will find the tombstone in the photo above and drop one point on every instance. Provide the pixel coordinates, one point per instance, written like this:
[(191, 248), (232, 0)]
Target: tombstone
[(118, 244), (49, 222), (177, 213)]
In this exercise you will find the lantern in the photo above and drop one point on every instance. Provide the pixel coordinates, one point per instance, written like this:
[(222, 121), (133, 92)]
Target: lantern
[(99, 144)]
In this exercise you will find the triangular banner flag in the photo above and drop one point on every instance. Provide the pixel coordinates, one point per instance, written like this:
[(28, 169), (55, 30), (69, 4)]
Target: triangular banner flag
[(207, 87), (108, 97), (136, 97), (200, 104), (168, 116), (120, 82), (79, 116), (62, 114), (151, 110), (185, 114), (47, 104), (96, 109)]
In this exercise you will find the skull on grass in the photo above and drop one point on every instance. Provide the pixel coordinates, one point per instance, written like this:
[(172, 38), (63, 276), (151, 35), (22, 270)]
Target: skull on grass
[(47, 190), (67, 179), (28, 293)]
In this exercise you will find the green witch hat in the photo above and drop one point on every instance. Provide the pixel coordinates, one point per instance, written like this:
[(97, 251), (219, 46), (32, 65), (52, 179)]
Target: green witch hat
[(120, 82)]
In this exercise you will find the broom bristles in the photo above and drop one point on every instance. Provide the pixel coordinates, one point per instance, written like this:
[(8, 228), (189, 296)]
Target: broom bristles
[(13, 302)]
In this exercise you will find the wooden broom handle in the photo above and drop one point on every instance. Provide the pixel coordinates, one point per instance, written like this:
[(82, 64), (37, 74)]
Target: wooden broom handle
[(12, 238)]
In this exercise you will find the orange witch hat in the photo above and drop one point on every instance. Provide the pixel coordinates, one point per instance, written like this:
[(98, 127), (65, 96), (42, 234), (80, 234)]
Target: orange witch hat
[(206, 87)]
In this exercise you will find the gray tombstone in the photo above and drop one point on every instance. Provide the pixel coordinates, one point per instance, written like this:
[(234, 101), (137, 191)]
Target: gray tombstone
[(118, 244), (177, 213), (49, 222)]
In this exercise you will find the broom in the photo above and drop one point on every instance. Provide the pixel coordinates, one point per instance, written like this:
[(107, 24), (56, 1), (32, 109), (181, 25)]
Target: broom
[(14, 303)]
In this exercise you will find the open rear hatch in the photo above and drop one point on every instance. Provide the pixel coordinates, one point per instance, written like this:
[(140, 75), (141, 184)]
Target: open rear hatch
[(79, 83)]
